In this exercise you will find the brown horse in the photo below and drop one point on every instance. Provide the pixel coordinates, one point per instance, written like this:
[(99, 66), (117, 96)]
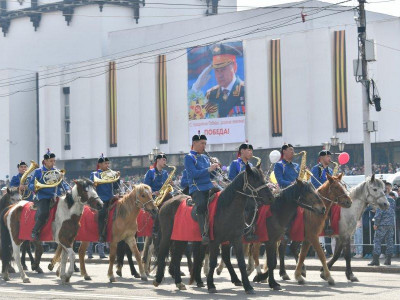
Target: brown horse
[(331, 192), (124, 227)]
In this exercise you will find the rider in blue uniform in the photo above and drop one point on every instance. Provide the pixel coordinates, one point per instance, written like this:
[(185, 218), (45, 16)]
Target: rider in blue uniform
[(285, 170), (16, 180), (156, 177), (45, 195), (199, 173), (185, 183), (238, 165)]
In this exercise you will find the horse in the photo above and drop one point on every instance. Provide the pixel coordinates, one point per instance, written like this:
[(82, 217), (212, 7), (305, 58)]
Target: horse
[(249, 184), (331, 192), (124, 227), (369, 192), (65, 227)]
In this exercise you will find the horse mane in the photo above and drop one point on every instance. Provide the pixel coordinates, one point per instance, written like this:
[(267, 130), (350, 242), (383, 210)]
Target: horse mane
[(5, 201), (283, 196), (127, 203), (69, 200)]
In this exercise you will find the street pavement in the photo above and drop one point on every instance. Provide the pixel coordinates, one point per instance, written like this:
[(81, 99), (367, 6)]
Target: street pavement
[(373, 284)]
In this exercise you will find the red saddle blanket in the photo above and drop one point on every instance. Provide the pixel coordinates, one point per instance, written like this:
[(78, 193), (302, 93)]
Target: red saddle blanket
[(297, 229), (89, 231), (27, 222), (264, 212), (187, 229)]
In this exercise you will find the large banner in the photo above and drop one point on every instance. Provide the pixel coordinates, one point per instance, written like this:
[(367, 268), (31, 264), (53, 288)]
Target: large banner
[(216, 98)]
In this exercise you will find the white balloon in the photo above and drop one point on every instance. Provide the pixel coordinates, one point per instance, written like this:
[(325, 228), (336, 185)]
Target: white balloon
[(274, 156)]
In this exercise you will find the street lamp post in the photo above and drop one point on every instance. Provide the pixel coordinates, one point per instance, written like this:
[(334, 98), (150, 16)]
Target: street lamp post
[(151, 156), (334, 143)]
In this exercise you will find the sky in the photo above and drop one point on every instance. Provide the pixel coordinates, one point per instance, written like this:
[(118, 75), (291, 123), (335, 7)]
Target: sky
[(390, 7)]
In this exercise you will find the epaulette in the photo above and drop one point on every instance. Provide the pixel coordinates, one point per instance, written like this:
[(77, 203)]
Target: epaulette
[(214, 88)]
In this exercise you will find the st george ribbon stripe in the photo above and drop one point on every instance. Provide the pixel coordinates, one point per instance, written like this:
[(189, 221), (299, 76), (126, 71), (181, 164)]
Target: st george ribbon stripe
[(162, 98), (340, 81), (276, 91)]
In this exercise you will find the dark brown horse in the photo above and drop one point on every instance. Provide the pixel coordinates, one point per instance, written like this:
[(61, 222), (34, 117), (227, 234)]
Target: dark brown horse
[(248, 185)]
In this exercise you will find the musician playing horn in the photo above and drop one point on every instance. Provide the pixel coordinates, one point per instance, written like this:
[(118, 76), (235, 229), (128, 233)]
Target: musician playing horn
[(16, 179), (45, 195), (285, 170), (156, 177), (199, 173)]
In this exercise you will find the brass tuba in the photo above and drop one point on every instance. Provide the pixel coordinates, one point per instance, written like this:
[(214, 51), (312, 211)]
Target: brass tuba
[(51, 178), (166, 188), (108, 176), (25, 194)]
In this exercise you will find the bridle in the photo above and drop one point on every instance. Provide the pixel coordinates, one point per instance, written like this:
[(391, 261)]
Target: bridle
[(374, 199), (142, 205)]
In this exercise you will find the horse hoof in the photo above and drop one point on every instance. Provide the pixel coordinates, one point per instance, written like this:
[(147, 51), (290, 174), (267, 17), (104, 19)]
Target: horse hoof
[(277, 288), (50, 267), (67, 278), (182, 274), (354, 279), (24, 267), (181, 286), (200, 285), (112, 279), (143, 278), (58, 272), (238, 283), (155, 283), (250, 292), (26, 280), (119, 273), (322, 275), (300, 280), (212, 290), (39, 270), (76, 269), (256, 278), (331, 281), (264, 281), (87, 277), (303, 273), (6, 278), (219, 272), (285, 277), (11, 269), (137, 275)]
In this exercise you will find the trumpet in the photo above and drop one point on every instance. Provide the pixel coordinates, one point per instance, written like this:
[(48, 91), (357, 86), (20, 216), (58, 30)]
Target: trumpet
[(108, 176), (219, 171)]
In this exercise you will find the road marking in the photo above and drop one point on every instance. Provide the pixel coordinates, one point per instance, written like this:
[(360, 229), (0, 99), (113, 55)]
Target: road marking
[(77, 294)]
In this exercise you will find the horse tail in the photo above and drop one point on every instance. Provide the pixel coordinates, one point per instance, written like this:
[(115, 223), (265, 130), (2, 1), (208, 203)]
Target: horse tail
[(6, 245)]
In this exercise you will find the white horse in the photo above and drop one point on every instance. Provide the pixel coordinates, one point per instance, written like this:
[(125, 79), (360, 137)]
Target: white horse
[(65, 227), (370, 192)]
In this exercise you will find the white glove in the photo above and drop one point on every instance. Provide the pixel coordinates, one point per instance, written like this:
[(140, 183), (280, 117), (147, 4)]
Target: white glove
[(202, 80)]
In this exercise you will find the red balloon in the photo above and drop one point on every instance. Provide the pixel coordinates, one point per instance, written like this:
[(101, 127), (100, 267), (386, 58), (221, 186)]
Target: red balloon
[(343, 158)]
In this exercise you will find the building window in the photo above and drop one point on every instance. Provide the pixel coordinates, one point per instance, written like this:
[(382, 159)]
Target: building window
[(67, 120)]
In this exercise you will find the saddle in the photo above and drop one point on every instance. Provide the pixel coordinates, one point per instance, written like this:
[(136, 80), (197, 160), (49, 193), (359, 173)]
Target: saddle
[(53, 202), (190, 202)]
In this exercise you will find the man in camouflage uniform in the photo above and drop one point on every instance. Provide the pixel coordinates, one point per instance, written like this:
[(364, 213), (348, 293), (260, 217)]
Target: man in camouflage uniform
[(384, 230)]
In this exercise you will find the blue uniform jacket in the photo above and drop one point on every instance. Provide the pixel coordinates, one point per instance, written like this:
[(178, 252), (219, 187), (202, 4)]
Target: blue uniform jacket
[(386, 217), (196, 166), (236, 167), (184, 180), (319, 172), (16, 181), (286, 172), (155, 179), (106, 190), (46, 193)]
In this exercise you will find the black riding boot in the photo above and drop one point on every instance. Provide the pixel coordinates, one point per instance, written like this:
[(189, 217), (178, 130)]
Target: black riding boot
[(201, 219), (102, 221), (102, 237), (375, 260), (388, 260), (36, 230), (250, 235)]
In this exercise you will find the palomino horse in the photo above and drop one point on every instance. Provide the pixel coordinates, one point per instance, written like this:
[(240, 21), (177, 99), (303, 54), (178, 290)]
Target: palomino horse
[(331, 192), (369, 192), (124, 227), (229, 223), (65, 227)]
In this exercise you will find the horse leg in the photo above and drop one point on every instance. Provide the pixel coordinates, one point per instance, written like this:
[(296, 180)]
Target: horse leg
[(199, 253), (134, 273), (282, 268), (188, 255), (213, 253), (23, 254), (131, 241), (63, 265), (38, 256), (146, 253), (121, 250), (220, 267), (238, 246), (226, 258), (82, 252), (303, 253), (206, 267), (336, 255), (71, 256), (272, 261), (347, 255), (250, 260), (162, 254), (176, 258), (17, 258), (55, 258), (294, 249), (322, 258)]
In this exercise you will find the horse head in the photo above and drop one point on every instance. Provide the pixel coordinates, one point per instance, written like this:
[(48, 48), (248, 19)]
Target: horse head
[(309, 198), (375, 190), (144, 198), (87, 193), (10, 197), (336, 191), (256, 186)]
